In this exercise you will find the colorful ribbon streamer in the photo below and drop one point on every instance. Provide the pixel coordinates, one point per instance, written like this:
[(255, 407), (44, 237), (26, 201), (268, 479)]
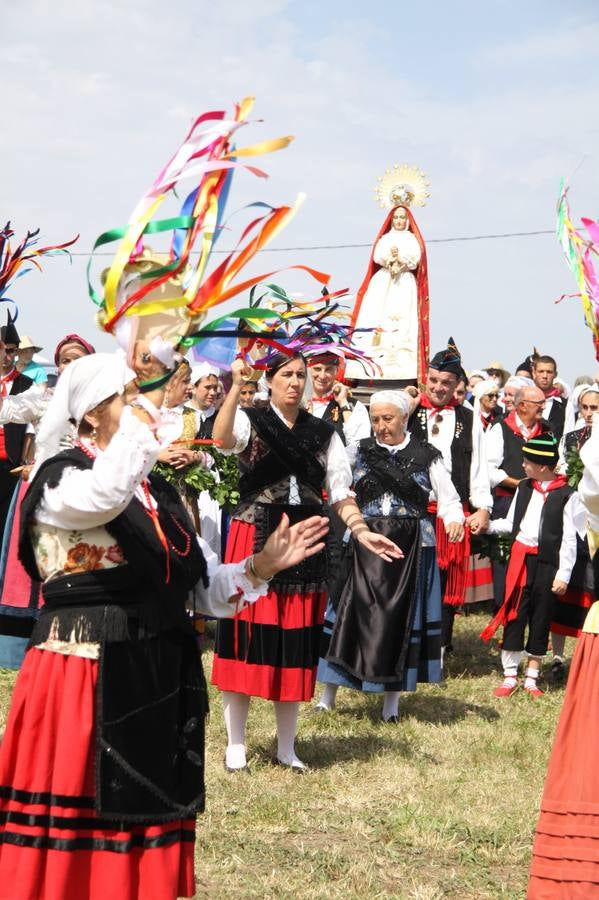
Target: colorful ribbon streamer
[(580, 252), (16, 263)]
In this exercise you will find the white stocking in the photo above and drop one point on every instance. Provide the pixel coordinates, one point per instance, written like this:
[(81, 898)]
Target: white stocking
[(327, 698), (391, 705), (286, 714), (235, 709)]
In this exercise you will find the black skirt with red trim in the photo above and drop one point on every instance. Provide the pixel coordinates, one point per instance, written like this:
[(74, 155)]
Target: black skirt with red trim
[(271, 648), (53, 844)]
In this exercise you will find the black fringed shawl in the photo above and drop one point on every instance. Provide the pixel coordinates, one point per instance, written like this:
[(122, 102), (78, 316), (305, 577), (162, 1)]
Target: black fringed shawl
[(392, 473), (291, 451)]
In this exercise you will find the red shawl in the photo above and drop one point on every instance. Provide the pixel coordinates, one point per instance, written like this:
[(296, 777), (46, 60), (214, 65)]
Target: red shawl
[(422, 287)]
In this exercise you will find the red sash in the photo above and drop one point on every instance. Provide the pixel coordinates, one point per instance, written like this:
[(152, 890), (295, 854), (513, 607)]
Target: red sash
[(515, 582), (452, 558)]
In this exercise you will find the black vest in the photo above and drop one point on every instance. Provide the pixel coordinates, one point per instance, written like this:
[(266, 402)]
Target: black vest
[(393, 473), (461, 445), (512, 448), (576, 439), (333, 415), (206, 428), (551, 525), (557, 417)]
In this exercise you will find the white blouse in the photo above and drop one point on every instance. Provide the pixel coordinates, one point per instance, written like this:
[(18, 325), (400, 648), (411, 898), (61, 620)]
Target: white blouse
[(90, 498)]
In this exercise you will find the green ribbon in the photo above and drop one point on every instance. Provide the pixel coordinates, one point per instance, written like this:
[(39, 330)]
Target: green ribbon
[(153, 227)]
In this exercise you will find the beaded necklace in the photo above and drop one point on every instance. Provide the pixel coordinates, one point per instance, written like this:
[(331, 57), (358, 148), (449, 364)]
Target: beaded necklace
[(151, 510)]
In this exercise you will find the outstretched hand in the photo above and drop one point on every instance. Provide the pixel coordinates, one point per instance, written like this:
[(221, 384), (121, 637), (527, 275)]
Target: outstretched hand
[(289, 545), (381, 545)]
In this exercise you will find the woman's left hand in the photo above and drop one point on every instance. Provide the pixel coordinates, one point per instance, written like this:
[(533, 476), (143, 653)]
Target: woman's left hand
[(380, 545)]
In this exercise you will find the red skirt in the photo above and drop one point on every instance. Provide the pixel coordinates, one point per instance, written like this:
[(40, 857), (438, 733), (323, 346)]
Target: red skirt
[(565, 856), (53, 844), (271, 648)]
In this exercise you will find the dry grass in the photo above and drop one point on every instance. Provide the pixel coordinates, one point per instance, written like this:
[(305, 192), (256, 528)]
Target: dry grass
[(442, 805)]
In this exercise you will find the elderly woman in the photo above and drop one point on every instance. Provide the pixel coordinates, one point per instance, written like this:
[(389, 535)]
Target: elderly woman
[(101, 765), (486, 411), (287, 457), (386, 635)]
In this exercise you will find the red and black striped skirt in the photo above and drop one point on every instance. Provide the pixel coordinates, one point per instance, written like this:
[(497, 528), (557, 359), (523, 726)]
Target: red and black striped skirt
[(271, 648), (53, 844)]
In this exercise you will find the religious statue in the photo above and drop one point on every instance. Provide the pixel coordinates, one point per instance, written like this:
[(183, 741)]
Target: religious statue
[(393, 298)]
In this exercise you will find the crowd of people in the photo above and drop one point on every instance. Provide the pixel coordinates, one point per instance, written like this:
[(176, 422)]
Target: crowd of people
[(337, 547)]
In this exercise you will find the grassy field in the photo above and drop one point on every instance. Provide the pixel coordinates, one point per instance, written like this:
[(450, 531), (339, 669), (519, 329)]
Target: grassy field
[(442, 805)]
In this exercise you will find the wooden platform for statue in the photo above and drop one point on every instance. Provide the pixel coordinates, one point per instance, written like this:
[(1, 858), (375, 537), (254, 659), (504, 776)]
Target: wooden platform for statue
[(363, 388)]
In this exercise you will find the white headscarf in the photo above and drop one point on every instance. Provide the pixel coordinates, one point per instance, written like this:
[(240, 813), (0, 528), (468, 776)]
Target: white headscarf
[(84, 384), (203, 370), (484, 387), (394, 398), (572, 419), (519, 381)]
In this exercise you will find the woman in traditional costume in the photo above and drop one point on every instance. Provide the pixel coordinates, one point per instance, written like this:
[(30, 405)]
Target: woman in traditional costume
[(286, 457), (19, 595), (386, 630), (101, 765)]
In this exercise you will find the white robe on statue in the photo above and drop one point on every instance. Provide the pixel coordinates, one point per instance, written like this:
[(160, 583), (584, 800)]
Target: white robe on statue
[(391, 304)]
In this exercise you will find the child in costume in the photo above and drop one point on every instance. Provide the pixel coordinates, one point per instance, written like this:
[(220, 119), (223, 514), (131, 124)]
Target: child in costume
[(540, 565)]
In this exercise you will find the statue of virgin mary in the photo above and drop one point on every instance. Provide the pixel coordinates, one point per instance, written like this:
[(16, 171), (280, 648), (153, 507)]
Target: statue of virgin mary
[(393, 301)]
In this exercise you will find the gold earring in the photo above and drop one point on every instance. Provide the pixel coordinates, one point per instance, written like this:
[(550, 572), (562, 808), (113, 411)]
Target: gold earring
[(94, 435)]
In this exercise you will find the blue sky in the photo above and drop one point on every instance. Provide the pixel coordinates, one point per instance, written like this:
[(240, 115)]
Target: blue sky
[(495, 101)]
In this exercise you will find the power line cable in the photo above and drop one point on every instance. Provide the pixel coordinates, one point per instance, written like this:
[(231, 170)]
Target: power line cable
[(446, 240)]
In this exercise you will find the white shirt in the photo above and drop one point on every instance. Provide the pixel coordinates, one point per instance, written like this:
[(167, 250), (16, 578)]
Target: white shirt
[(338, 477), (88, 498), (24, 408), (574, 523), (589, 483), (480, 488)]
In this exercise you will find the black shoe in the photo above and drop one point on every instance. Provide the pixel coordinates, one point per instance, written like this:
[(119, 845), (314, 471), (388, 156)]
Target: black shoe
[(392, 720), (558, 671)]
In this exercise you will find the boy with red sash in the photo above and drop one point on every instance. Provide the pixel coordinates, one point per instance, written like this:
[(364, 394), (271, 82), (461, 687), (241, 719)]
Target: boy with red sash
[(539, 564)]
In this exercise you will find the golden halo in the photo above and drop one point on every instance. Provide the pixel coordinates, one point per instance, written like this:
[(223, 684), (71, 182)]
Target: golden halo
[(402, 185)]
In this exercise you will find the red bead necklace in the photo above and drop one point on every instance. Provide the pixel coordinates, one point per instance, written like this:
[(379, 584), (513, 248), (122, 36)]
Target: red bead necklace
[(151, 511)]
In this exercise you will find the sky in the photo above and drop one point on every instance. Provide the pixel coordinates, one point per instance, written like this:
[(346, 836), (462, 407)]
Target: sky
[(496, 102)]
